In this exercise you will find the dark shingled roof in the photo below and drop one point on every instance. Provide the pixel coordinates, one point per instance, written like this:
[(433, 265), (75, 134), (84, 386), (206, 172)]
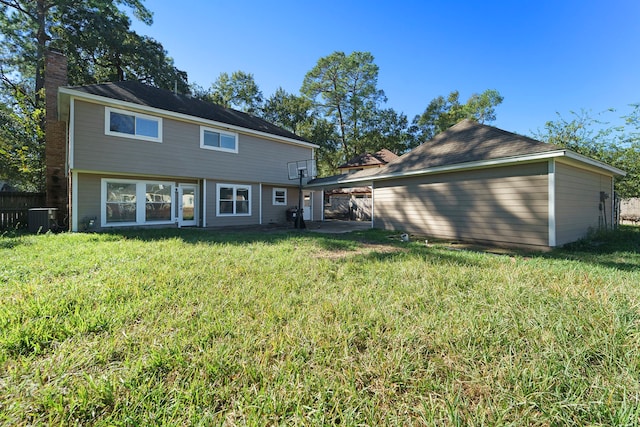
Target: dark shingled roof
[(378, 158), (467, 142), (139, 93)]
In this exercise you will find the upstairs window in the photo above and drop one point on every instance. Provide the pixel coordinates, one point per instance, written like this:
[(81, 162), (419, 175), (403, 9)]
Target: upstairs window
[(132, 125), (214, 139)]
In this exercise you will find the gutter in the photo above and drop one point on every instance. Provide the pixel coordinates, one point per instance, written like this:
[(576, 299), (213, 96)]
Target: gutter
[(473, 165)]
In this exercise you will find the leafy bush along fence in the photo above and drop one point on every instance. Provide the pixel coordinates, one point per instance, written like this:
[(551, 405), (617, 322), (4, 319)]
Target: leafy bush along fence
[(14, 208)]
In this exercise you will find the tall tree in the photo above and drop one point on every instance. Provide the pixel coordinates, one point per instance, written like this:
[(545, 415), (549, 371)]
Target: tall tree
[(28, 27), (482, 107), (618, 146), (323, 133), (100, 46), (107, 50), (288, 111), (442, 113), (238, 90), (389, 130), (344, 88), (627, 156), (21, 148), (297, 114)]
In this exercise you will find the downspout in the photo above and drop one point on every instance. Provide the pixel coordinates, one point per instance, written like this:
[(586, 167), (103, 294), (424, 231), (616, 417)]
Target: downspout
[(204, 203), (373, 204), (74, 201), (260, 201), (71, 175), (552, 202), (178, 204)]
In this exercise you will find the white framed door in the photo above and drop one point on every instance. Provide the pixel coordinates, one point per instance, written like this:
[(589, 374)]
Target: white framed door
[(307, 205), (187, 205)]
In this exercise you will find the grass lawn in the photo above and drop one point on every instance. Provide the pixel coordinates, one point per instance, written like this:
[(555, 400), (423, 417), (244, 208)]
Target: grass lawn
[(192, 327)]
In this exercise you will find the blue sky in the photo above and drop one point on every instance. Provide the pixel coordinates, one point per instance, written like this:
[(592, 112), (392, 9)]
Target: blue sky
[(542, 56)]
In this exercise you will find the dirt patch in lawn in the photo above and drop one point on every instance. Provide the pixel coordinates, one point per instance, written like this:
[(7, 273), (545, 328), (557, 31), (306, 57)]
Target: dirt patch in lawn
[(362, 249)]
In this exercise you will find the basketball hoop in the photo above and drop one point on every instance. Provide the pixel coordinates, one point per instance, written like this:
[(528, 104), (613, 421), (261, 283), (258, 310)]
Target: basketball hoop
[(298, 170)]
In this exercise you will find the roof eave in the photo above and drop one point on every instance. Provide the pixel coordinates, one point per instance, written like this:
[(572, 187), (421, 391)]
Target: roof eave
[(595, 163), (181, 116), (477, 165)]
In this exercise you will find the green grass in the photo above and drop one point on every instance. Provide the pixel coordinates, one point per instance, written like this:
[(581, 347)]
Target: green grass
[(191, 327)]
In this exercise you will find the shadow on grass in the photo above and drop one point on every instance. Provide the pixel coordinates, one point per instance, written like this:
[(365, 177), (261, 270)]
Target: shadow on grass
[(349, 245), (619, 249), (13, 238)]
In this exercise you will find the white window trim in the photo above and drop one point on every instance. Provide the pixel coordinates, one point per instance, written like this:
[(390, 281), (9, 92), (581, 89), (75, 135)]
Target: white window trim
[(108, 131), (221, 132), (273, 199), (235, 189), (141, 189)]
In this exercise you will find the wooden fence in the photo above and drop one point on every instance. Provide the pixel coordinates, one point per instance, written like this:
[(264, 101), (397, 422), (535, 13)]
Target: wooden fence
[(14, 208), (630, 211), (344, 207)]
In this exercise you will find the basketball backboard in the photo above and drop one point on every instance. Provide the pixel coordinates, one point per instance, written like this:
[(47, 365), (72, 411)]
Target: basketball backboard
[(302, 169)]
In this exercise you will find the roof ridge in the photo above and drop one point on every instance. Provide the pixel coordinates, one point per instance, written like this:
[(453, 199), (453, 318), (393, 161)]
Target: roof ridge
[(423, 155)]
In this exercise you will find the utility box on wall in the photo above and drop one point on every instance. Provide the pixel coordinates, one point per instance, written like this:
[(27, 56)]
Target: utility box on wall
[(41, 219)]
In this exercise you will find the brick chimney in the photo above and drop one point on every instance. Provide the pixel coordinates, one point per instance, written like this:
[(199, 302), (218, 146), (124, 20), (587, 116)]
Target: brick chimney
[(55, 75)]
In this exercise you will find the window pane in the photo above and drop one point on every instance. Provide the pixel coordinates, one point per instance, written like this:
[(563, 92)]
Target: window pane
[(228, 141), (121, 192), (188, 204), (280, 197), (242, 194), (242, 201), (121, 202), (211, 139), (226, 207), (122, 123), (242, 207), (146, 127), (226, 193), (234, 200), (158, 202)]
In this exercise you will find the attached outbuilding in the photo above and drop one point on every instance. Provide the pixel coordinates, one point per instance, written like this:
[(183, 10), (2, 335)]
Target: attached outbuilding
[(479, 183)]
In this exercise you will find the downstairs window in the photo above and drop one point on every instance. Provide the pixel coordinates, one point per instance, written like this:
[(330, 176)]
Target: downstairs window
[(127, 202), (233, 200)]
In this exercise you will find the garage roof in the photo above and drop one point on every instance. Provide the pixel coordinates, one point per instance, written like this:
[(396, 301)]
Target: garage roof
[(466, 145)]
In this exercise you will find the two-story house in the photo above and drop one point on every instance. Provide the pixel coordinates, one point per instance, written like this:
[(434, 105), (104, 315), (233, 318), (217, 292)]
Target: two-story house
[(138, 156)]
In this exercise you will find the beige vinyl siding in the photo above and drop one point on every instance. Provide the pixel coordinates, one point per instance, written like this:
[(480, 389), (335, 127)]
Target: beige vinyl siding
[(233, 221), (88, 199), (179, 154), (578, 202), (276, 214), (89, 193), (502, 205), (318, 206)]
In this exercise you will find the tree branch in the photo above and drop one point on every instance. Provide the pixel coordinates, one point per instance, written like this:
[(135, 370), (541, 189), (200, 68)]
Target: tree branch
[(17, 6), (17, 89)]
